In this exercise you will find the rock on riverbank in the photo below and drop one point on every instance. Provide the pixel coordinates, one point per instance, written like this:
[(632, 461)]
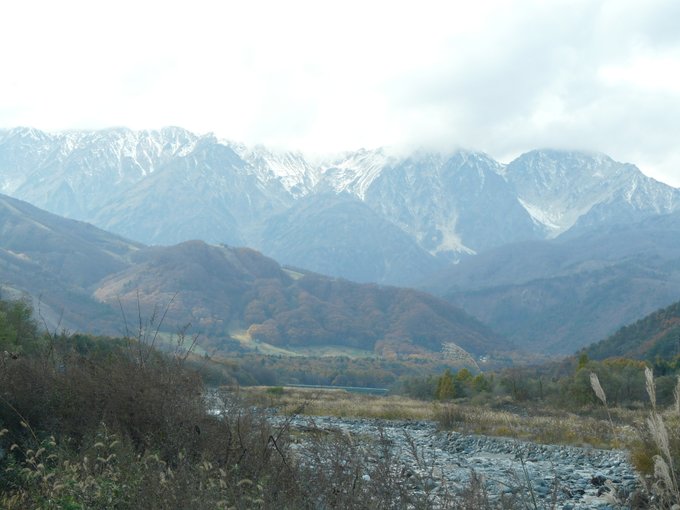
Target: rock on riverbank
[(543, 476)]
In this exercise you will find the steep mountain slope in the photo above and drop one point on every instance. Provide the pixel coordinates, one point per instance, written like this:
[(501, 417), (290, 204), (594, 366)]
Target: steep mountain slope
[(154, 186), (354, 172), (451, 205), (330, 233), (73, 251), (206, 194), (556, 296), (657, 334), (563, 189), (57, 261), (73, 173), (290, 169)]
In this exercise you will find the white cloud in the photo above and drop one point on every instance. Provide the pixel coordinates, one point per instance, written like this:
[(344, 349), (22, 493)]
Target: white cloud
[(503, 77)]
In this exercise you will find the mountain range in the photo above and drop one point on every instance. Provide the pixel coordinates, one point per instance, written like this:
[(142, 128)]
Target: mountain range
[(169, 186), (553, 250), (561, 294), (85, 279)]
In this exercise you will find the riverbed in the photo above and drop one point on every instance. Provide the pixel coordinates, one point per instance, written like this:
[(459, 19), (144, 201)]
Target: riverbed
[(540, 476)]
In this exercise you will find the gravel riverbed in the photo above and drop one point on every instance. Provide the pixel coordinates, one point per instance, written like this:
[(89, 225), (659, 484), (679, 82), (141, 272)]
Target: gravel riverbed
[(544, 476)]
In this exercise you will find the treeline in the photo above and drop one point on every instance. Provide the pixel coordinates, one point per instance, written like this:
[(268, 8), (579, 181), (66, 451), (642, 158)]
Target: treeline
[(256, 369), (565, 384), (19, 334)]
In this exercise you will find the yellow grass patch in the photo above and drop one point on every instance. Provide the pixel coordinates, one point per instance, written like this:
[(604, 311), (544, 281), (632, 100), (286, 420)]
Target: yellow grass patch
[(539, 424)]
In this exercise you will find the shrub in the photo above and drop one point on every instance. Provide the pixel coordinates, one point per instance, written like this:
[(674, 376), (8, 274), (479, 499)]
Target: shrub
[(126, 428)]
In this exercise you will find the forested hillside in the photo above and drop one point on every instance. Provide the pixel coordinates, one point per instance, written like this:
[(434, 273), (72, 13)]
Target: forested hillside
[(658, 334)]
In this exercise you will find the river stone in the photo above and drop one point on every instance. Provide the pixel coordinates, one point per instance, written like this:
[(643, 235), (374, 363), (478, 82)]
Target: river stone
[(573, 475)]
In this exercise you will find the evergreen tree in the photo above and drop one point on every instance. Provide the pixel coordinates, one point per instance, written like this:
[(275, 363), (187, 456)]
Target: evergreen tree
[(445, 388)]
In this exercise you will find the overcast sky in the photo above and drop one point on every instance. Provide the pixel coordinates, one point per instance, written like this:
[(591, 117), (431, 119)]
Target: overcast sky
[(500, 77)]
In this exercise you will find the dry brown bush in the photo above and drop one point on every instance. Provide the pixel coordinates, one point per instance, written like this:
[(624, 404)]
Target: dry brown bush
[(106, 431)]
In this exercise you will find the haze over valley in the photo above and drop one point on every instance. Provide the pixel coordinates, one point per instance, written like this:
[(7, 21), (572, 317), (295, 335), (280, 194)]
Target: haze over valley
[(601, 236)]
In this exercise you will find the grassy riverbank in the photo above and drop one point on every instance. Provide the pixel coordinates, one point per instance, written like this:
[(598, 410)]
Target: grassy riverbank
[(651, 435), (498, 417)]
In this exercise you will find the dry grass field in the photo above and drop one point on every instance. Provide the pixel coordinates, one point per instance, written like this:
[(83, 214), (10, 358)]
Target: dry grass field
[(495, 418)]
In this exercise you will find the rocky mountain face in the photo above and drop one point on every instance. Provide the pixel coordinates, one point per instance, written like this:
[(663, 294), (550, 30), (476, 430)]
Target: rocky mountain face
[(410, 212), (73, 173), (84, 279), (565, 191), (451, 206)]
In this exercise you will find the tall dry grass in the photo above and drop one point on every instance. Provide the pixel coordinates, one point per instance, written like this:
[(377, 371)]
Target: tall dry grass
[(339, 403), (665, 487), (656, 450), (79, 431)]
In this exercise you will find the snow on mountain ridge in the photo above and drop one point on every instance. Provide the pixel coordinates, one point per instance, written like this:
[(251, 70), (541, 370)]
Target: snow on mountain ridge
[(450, 203), (450, 240), (144, 150), (560, 188), (291, 169), (356, 171), (543, 218)]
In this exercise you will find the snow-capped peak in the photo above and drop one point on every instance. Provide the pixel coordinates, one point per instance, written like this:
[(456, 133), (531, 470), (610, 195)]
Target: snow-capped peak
[(354, 172), (291, 169), (559, 188)]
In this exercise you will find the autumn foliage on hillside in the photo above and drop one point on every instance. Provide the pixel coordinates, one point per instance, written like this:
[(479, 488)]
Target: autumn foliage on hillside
[(657, 335), (217, 289)]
